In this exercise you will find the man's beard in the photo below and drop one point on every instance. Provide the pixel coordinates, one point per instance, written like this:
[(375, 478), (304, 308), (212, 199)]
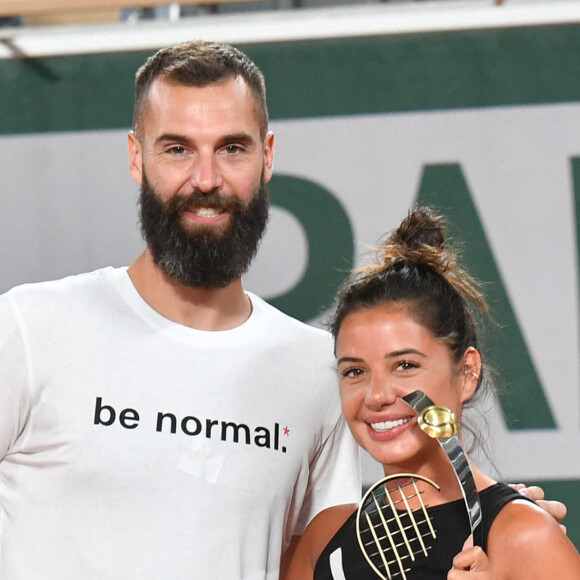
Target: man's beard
[(203, 257)]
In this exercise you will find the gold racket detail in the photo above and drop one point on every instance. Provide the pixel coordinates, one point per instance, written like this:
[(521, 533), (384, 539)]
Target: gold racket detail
[(441, 423), (393, 525), (438, 422)]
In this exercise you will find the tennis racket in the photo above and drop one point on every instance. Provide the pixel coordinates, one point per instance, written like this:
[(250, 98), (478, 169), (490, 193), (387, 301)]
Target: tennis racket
[(393, 526)]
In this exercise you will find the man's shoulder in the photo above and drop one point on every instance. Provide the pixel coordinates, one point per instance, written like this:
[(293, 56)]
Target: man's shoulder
[(62, 289), (288, 324)]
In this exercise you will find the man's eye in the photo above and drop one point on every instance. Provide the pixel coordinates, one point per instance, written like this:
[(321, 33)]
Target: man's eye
[(232, 149), (177, 150)]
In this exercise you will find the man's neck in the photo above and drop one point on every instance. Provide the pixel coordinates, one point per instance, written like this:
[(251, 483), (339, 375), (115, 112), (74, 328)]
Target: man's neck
[(200, 308)]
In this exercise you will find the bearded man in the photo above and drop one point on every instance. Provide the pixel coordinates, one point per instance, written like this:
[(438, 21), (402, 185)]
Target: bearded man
[(158, 421)]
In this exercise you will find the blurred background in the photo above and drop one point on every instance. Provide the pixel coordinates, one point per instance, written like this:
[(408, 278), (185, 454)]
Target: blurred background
[(470, 106)]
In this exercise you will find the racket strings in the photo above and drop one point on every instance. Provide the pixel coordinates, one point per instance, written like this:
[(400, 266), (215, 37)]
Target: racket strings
[(393, 531)]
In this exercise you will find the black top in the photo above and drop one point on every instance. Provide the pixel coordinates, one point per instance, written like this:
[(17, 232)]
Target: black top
[(451, 524)]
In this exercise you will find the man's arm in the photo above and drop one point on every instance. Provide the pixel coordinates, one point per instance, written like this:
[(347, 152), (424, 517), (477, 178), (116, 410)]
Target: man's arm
[(14, 401)]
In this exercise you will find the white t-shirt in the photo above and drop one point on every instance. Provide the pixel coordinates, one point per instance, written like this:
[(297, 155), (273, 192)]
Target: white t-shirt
[(132, 447)]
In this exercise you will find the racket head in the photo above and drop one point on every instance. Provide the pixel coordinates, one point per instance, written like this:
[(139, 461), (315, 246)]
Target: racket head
[(392, 524)]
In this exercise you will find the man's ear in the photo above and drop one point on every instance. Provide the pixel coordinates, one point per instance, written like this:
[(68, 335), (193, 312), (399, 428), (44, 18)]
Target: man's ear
[(471, 373), (135, 158), (268, 157)]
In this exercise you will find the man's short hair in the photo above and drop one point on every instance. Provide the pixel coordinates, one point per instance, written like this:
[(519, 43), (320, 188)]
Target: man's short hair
[(199, 63)]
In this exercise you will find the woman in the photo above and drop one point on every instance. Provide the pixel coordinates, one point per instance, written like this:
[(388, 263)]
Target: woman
[(406, 325)]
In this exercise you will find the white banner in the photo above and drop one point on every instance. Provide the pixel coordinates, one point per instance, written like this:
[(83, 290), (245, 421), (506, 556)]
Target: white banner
[(68, 205)]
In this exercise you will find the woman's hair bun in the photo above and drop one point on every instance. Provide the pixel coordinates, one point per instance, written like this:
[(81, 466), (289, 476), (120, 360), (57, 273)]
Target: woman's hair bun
[(419, 239), (420, 227)]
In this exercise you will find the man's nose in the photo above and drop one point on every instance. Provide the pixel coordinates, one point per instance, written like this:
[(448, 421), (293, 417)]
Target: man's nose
[(206, 175)]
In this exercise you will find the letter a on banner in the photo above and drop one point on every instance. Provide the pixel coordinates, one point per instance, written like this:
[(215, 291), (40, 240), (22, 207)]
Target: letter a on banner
[(523, 403)]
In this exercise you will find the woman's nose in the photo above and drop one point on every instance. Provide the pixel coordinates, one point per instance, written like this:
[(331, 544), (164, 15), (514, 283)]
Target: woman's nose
[(380, 393)]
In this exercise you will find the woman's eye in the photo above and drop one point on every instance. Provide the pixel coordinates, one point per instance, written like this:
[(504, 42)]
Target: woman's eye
[(407, 365), (352, 372)]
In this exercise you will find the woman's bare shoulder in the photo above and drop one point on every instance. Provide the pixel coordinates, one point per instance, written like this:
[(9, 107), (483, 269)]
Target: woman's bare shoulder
[(329, 521), (525, 541), (319, 532)]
